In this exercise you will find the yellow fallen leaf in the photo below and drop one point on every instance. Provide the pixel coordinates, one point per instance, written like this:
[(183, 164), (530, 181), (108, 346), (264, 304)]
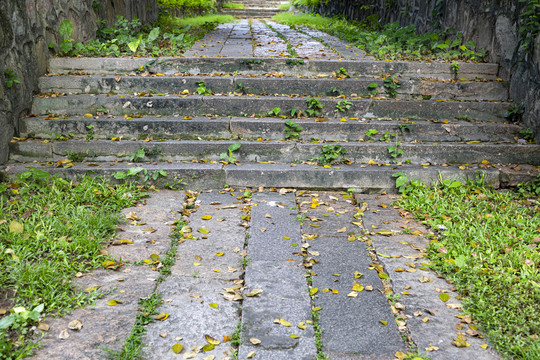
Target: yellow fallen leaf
[(302, 326), (88, 115), (461, 341), (162, 316), (484, 346), (88, 290), (250, 355), (352, 294), (357, 286), (399, 270), (255, 341), (203, 230), (432, 348), (113, 302), (177, 348), (357, 274), (213, 305), (383, 322), (369, 288), (294, 336), (284, 322), (254, 292), (206, 217), (426, 319), (385, 232), (444, 297), (211, 340), (208, 347), (342, 230), (313, 291)]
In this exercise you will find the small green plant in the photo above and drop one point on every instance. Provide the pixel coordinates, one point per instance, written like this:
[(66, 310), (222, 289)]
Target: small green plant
[(403, 184), (292, 130), (229, 155), (274, 112), (370, 133), (529, 25), (301, 218), (66, 44), (138, 155), (251, 61), (464, 118), (294, 62), (292, 52), (527, 134), (11, 78), (330, 154), (90, 134), (402, 128), (314, 106), (76, 157), (201, 89), (455, 67), (334, 91), (343, 106), (232, 5), (391, 84), (395, 152), (342, 73), (373, 89), (240, 88), (295, 112), (515, 112), (530, 188), (387, 137), (392, 298)]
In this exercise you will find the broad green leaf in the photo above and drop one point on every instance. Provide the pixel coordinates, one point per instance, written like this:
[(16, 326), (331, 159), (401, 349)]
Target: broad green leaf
[(177, 348), (66, 29), (235, 146), (444, 297)]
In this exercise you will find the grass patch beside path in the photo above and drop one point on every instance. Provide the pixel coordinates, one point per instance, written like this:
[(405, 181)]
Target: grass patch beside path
[(51, 229), (488, 245), (198, 21), (390, 41)]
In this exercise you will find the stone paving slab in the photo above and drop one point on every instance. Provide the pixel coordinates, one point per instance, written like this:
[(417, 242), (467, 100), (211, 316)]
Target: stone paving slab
[(429, 321), (344, 49)]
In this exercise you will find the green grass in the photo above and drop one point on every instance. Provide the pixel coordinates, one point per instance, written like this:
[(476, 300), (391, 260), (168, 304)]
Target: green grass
[(198, 21), (390, 41), (52, 229), (284, 6), (488, 245), (233, 5)]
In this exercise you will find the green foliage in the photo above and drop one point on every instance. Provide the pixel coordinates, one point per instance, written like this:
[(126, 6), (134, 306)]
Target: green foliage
[(11, 78), (202, 4), (515, 112), (387, 136), (373, 88), (292, 130), (55, 229), (527, 134), (240, 88), (137, 156), (90, 134), (334, 91), (330, 154), (343, 106), (487, 248), (529, 25), (232, 5), (391, 84), (314, 106), (229, 156), (395, 152), (294, 62), (401, 128), (370, 133), (391, 41), (531, 187), (455, 67), (201, 89), (342, 73), (274, 112)]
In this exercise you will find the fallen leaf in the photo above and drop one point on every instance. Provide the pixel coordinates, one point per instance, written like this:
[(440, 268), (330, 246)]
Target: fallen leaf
[(313, 291), (385, 232), (369, 288), (43, 326), (284, 322), (255, 341), (294, 336), (91, 289), (383, 322), (177, 348), (484, 346), (206, 217), (209, 357), (461, 341), (254, 292), (302, 326), (219, 254), (213, 305), (64, 334), (16, 227), (444, 297), (425, 320), (208, 347), (250, 355), (357, 286), (357, 274), (352, 294), (113, 302), (203, 230), (164, 334), (432, 348), (75, 325), (342, 230), (162, 316)]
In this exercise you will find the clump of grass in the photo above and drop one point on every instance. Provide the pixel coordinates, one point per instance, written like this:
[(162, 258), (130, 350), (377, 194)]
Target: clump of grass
[(197, 21), (52, 229), (390, 41), (488, 246), (233, 5)]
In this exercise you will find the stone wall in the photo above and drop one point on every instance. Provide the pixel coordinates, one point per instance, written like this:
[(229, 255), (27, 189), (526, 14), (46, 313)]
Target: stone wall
[(26, 29), (492, 24)]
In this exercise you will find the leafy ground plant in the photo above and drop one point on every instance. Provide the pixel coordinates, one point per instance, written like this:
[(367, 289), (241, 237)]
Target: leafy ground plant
[(53, 228), (229, 155), (488, 247), (292, 129), (330, 154), (391, 41)]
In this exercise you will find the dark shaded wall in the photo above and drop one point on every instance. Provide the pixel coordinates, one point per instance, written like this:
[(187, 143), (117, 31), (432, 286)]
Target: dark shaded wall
[(492, 24), (26, 29)]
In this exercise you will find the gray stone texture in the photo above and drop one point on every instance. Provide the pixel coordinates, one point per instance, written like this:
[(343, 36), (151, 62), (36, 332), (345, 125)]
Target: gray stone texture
[(26, 29), (493, 25)]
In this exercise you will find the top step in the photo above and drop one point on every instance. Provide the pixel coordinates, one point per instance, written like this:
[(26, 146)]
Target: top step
[(289, 66)]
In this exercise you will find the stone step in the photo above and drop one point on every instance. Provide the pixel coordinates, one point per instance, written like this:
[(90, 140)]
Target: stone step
[(363, 179), (168, 127), (248, 105), (284, 152), (252, 12), (409, 88), (291, 66)]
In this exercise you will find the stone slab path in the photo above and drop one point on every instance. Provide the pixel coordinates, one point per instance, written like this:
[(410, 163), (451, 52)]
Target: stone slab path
[(271, 274), (268, 39)]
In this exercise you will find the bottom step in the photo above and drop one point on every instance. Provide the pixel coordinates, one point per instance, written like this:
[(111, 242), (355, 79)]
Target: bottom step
[(361, 178)]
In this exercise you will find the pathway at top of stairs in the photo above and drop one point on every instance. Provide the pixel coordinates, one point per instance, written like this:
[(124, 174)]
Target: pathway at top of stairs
[(255, 9), (308, 110)]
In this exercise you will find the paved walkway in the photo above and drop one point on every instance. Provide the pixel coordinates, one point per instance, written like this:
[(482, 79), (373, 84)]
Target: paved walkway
[(268, 39), (298, 272)]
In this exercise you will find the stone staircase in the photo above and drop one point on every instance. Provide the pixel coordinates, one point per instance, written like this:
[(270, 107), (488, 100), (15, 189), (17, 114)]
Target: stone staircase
[(255, 9), (101, 112)]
